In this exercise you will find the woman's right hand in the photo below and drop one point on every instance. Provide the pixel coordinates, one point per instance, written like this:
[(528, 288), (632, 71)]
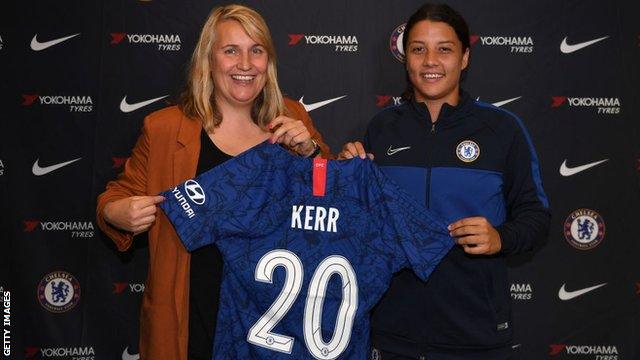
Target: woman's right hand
[(135, 214), (353, 149)]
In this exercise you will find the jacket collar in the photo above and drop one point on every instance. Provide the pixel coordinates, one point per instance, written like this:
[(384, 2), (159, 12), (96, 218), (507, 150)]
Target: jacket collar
[(189, 130), (449, 114), (185, 159)]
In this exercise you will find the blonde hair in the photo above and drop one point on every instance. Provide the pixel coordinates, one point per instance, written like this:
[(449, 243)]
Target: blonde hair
[(198, 99)]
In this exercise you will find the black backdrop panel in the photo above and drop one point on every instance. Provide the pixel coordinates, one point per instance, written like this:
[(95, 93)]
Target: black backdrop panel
[(75, 75)]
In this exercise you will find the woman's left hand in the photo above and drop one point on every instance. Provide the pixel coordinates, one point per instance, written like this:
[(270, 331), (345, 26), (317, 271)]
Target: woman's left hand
[(293, 134), (476, 235)]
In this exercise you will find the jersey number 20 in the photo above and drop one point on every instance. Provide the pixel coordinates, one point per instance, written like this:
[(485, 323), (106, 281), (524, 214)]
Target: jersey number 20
[(260, 333)]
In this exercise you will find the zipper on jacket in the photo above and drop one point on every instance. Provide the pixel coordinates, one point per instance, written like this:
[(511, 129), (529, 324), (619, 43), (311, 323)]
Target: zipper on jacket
[(430, 138)]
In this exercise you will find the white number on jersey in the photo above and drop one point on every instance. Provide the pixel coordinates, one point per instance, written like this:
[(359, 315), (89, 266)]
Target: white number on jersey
[(260, 333)]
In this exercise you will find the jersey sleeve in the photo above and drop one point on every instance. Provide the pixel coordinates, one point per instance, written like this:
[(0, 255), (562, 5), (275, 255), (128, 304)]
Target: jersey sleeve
[(240, 197), (191, 207), (412, 235)]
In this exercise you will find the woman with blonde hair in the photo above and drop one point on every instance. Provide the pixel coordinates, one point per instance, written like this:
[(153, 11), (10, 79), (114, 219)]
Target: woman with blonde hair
[(232, 102)]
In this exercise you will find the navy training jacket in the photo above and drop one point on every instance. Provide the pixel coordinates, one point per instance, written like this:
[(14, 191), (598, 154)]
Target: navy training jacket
[(475, 160)]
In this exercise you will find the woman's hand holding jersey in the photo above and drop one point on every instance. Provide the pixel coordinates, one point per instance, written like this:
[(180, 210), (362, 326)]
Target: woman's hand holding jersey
[(135, 214), (293, 134), (353, 149)]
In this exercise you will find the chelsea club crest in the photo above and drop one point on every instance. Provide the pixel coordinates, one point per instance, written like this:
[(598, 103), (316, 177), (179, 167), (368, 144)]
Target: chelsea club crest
[(395, 43), (468, 151), (584, 229), (59, 292)]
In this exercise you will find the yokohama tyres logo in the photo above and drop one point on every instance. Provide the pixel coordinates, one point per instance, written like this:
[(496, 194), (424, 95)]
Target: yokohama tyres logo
[(602, 105), (598, 352), (135, 288), (30, 352), (340, 43), (82, 352), (521, 291), (76, 103), (163, 42), (515, 44), (77, 229), (294, 39), (30, 225), (385, 100), (118, 162)]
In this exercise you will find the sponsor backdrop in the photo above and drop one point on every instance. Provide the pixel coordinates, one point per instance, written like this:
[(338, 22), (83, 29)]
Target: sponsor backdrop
[(78, 77)]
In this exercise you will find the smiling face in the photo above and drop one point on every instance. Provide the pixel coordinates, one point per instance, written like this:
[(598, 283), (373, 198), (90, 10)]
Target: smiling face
[(435, 60), (239, 65)]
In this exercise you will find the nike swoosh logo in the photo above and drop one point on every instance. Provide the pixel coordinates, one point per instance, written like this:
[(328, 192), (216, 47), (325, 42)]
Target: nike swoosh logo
[(568, 295), (568, 49), (38, 46), (568, 171), (504, 102), (39, 171), (516, 346), (391, 151), (126, 107), (319, 104), (127, 356)]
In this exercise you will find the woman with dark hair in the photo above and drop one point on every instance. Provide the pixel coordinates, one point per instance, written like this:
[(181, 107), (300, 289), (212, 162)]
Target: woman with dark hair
[(232, 102), (472, 163)]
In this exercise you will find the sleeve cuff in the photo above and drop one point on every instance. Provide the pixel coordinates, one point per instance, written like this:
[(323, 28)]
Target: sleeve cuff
[(507, 242)]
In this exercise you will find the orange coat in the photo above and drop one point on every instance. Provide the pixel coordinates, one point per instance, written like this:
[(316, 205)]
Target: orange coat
[(165, 155)]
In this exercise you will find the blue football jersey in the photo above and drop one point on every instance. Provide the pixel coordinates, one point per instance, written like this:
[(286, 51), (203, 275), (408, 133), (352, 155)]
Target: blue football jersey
[(301, 272)]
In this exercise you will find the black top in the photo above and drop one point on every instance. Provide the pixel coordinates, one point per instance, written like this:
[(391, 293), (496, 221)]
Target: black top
[(206, 273)]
